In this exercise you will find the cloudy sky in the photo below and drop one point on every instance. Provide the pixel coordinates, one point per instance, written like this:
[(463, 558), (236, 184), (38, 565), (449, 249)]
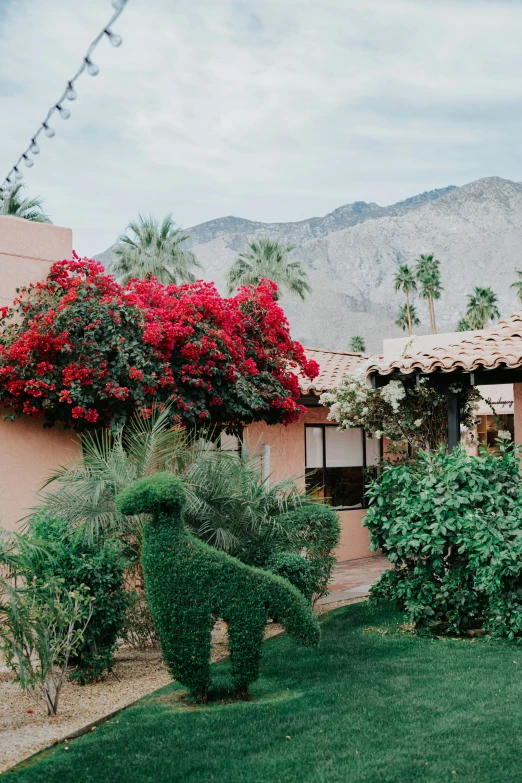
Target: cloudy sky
[(272, 110)]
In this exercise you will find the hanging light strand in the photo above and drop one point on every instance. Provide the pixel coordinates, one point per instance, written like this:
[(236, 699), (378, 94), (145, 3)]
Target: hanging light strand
[(69, 94)]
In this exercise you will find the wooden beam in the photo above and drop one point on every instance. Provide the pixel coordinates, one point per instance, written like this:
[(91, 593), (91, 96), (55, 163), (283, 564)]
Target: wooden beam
[(453, 421)]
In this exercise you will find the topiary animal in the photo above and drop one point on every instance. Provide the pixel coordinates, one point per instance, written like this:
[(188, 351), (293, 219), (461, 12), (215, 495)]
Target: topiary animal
[(188, 584)]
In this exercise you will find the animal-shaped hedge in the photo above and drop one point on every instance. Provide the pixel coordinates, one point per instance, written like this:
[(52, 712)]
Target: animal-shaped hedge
[(189, 583)]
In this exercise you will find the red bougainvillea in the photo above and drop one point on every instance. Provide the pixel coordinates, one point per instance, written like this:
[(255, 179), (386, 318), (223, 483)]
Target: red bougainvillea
[(83, 350)]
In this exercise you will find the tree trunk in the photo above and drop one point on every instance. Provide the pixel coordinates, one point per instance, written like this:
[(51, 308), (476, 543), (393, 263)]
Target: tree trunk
[(410, 331), (434, 329)]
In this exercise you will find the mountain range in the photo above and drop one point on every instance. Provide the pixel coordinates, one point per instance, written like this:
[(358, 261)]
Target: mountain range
[(352, 254)]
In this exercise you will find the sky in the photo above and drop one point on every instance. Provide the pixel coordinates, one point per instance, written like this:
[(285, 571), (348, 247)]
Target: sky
[(273, 110)]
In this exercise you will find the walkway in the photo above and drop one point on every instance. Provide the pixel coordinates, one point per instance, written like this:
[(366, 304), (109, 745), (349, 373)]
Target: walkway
[(353, 578)]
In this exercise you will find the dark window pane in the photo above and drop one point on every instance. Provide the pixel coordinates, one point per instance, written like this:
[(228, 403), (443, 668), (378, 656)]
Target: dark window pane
[(314, 482), (344, 486)]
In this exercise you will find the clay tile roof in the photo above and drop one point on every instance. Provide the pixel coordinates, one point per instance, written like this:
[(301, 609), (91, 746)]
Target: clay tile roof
[(500, 345), (333, 364)]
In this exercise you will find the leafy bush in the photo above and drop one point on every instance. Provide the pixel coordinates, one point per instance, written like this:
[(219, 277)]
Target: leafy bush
[(314, 531), (295, 569), (82, 349), (188, 583), (138, 628), (451, 524), (100, 567), (42, 623)]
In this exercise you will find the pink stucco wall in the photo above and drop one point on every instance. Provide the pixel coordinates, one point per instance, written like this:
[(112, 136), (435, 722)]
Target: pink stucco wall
[(287, 459), (28, 453)]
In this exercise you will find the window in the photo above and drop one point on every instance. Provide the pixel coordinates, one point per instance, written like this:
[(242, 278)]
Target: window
[(335, 463), (487, 428)]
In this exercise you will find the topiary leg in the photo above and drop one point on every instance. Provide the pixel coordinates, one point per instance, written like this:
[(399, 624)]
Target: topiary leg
[(245, 641)]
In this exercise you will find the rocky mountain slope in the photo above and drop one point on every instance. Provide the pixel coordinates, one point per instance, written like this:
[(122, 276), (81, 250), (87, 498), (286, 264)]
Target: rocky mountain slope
[(351, 256)]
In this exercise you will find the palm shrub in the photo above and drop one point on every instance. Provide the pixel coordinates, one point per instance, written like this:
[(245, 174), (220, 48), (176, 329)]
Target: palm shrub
[(228, 504), (451, 525)]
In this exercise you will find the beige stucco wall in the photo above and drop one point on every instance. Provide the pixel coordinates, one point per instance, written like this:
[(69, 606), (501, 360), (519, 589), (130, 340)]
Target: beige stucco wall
[(28, 453), (287, 459)]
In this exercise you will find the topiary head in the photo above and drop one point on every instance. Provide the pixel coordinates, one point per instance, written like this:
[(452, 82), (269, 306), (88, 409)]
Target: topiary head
[(161, 495)]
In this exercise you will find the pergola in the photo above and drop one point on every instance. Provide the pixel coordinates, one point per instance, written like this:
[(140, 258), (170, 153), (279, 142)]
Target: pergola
[(481, 358)]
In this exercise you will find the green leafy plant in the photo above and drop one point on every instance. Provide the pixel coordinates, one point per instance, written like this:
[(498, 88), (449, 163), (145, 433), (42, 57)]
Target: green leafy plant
[(189, 583), (451, 525), (295, 568), (314, 532), (97, 566), (42, 624)]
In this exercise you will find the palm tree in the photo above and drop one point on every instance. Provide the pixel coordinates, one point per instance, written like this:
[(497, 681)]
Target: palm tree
[(27, 208), (357, 344), (518, 285), (405, 282), (154, 250), (268, 258), (482, 307), (428, 275), (463, 326), (407, 318)]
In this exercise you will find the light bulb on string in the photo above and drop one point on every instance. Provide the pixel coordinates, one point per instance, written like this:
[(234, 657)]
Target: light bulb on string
[(71, 93), (116, 40), (34, 148), (117, 4), (49, 132), (18, 174), (63, 112), (92, 68), (28, 161)]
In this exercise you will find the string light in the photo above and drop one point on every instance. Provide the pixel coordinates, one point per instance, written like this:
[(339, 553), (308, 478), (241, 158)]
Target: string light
[(69, 94)]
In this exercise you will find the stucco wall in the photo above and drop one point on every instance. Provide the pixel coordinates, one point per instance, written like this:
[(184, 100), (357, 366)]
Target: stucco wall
[(287, 459), (28, 453)]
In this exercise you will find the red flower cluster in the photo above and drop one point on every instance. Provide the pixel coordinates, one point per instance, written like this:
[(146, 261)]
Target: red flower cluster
[(81, 349)]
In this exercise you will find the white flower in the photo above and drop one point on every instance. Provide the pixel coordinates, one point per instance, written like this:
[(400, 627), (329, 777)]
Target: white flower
[(393, 393), (378, 434), (417, 422), (504, 435), (327, 398)]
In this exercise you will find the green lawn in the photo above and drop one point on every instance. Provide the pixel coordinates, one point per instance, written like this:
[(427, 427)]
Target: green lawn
[(368, 705)]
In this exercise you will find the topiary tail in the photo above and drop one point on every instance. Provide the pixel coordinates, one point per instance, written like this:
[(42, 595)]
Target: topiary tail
[(289, 607)]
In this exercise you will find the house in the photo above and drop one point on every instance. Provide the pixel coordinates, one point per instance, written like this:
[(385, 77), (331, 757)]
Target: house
[(331, 463), (490, 359)]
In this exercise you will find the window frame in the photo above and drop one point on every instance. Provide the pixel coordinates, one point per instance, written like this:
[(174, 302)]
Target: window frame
[(364, 466)]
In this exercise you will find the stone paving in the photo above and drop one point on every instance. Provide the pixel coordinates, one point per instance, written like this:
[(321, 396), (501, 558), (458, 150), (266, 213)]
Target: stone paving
[(353, 578)]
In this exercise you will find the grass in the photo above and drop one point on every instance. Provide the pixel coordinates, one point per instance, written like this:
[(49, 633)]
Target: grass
[(371, 704)]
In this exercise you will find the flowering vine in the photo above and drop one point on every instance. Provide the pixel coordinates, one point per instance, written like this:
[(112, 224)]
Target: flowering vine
[(81, 349), (403, 410)]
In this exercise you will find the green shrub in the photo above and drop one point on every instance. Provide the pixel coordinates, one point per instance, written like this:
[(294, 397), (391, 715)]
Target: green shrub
[(138, 628), (314, 531), (100, 566), (451, 524), (295, 568), (188, 583)]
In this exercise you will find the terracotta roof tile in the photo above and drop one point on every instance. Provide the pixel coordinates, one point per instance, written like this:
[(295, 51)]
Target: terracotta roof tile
[(500, 345), (333, 364)]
